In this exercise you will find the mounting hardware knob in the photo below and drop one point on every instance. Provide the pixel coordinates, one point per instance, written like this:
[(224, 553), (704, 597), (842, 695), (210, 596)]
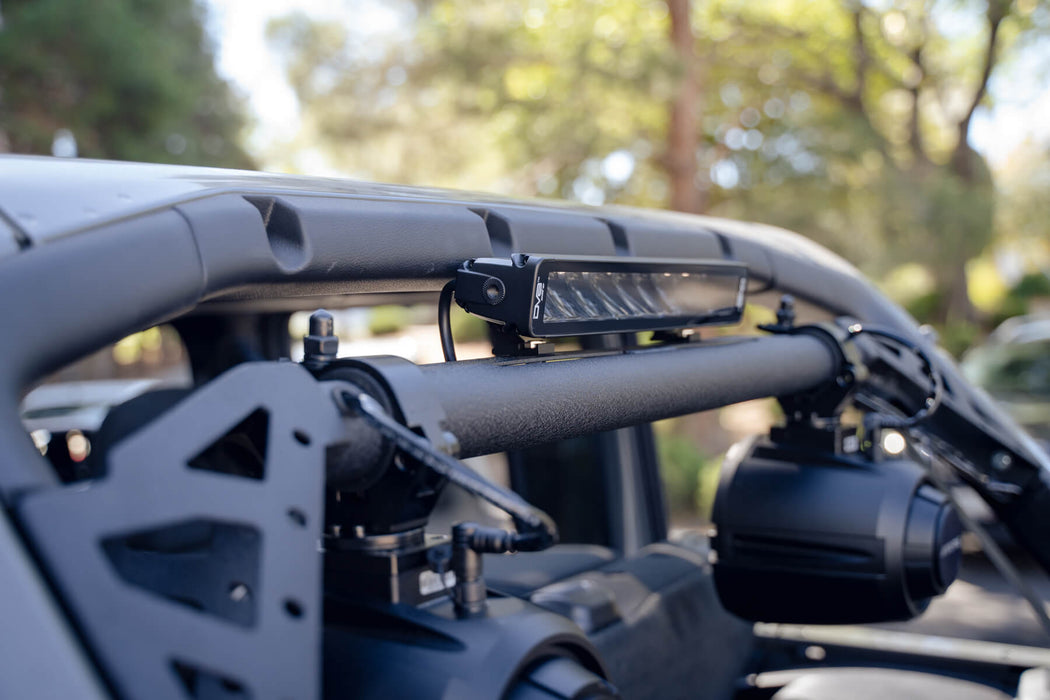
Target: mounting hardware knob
[(321, 345)]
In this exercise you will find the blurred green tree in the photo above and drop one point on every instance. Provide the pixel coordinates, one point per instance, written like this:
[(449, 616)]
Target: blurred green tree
[(513, 97), (1023, 214), (127, 79), (844, 120), (890, 91)]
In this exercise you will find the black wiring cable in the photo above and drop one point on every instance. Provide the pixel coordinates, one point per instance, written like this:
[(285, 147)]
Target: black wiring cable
[(448, 347), (989, 546), (933, 399)]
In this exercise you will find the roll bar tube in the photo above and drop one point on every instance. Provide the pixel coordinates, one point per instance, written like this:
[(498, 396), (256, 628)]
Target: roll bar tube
[(496, 405)]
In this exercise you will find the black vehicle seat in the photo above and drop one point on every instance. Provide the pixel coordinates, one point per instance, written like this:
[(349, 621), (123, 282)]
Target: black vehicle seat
[(521, 574), (880, 684)]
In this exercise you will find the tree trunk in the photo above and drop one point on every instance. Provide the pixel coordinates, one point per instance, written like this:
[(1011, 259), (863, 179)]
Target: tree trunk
[(957, 305), (973, 173), (683, 128)]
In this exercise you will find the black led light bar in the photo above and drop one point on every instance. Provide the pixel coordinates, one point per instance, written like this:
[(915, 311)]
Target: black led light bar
[(546, 297)]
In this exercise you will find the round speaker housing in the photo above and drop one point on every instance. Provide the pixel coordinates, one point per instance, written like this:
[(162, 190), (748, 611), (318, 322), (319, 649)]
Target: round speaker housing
[(808, 536)]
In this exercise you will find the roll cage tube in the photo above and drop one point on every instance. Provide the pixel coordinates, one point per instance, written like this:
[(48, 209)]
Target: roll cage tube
[(495, 405)]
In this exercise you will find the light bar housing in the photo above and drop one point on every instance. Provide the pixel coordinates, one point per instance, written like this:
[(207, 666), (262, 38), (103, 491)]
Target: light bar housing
[(542, 296)]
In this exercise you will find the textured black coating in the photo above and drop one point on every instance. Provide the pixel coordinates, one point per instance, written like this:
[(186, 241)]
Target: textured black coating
[(494, 405), (536, 521), (137, 634)]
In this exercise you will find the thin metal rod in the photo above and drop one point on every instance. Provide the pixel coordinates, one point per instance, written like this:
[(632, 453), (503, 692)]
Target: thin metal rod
[(534, 520)]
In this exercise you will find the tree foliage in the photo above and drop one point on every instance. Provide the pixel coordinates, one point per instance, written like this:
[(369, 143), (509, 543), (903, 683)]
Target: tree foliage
[(845, 120), (525, 99), (893, 94), (130, 79)]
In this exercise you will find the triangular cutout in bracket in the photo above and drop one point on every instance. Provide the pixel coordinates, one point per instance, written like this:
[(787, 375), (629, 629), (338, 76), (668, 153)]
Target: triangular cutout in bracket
[(241, 451)]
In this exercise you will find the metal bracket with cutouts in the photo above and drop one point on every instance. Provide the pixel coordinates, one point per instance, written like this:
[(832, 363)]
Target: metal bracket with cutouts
[(190, 578)]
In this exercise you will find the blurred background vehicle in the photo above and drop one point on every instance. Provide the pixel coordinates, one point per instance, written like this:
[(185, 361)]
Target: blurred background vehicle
[(1013, 365)]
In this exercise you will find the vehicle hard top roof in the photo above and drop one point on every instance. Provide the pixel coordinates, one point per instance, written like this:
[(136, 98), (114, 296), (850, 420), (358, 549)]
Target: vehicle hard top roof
[(261, 237)]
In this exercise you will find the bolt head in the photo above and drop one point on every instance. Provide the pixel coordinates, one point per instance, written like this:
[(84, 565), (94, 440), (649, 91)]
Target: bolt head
[(320, 345)]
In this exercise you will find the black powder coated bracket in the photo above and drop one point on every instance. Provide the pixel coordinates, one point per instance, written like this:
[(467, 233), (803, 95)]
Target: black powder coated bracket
[(138, 556), (540, 531), (414, 404)]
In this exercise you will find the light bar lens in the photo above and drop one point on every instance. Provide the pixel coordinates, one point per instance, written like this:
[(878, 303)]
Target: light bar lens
[(608, 296), (541, 296)]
